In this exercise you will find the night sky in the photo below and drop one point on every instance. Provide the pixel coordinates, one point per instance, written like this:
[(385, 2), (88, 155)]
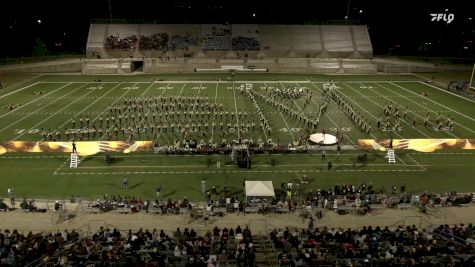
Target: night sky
[(396, 27)]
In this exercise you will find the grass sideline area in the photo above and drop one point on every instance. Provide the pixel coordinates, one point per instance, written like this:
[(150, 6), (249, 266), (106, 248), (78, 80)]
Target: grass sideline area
[(48, 175)]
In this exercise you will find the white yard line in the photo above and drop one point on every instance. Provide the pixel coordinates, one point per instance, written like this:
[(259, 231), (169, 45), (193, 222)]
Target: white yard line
[(211, 81), (181, 87), (160, 132), (328, 116), (461, 114), (235, 171), (440, 89), (50, 116), (365, 110), (94, 82), (261, 124), (36, 99), (155, 140), (82, 111), (237, 117), (288, 128), (24, 117), (121, 96), (426, 135), (461, 125), (377, 84), (415, 161), (61, 166), (18, 90)]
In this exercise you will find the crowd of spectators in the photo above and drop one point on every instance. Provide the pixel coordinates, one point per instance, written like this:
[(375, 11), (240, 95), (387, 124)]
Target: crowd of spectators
[(17, 249), (127, 43), (183, 42), (245, 44), (216, 44), (111, 247), (156, 41), (402, 246)]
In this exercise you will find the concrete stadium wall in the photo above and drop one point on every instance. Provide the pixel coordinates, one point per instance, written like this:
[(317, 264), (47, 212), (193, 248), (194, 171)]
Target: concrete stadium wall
[(188, 65), (415, 68), (55, 67)]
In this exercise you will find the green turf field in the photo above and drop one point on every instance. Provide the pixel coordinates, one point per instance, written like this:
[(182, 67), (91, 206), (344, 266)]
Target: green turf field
[(69, 98)]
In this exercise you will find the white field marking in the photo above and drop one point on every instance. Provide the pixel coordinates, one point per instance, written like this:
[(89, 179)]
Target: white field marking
[(261, 124), (403, 162), (301, 110), (383, 108), (309, 79), (49, 113), (280, 112), (18, 90), (349, 98), (441, 153), (415, 161), (237, 117), (36, 99), (174, 155), (238, 171), (376, 84), (328, 116), (121, 96), (176, 167), (25, 81), (93, 82), (437, 104), (369, 81), (148, 110), (61, 166), (24, 117), (31, 157), (52, 115), (461, 114), (204, 81), (215, 99), (81, 111), (440, 89), (161, 129), (184, 84)]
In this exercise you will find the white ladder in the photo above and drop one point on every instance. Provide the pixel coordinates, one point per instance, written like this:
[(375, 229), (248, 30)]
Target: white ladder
[(391, 156), (74, 161)]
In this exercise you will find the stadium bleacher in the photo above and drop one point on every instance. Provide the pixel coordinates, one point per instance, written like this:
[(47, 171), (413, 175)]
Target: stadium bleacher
[(310, 48), (277, 39)]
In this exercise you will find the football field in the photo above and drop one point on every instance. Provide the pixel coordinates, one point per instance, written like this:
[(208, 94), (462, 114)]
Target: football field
[(58, 105)]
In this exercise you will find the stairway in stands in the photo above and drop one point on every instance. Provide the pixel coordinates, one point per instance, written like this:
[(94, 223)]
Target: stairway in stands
[(265, 255)]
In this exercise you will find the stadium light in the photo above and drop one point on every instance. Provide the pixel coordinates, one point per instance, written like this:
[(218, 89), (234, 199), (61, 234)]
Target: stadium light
[(361, 11), (347, 10), (253, 14), (39, 21)]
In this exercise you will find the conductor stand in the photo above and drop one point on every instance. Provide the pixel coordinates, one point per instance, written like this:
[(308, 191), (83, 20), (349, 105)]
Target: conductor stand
[(390, 155)]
